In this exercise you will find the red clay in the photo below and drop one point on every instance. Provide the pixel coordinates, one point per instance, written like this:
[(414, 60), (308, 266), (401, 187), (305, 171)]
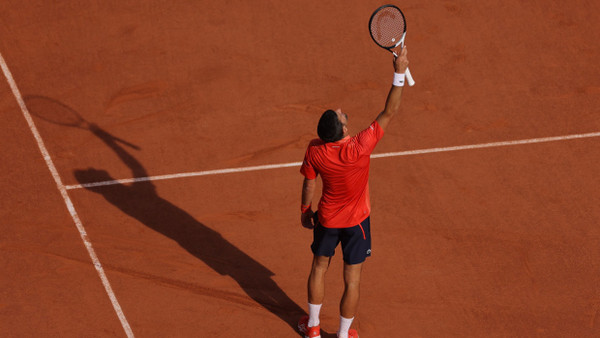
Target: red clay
[(489, 242)]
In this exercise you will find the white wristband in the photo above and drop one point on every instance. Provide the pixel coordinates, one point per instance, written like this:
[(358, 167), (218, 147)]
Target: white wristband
[(398, 80)]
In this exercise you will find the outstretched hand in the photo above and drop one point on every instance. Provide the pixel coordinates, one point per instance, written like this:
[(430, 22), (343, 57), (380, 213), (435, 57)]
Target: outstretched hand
[(400, 61)]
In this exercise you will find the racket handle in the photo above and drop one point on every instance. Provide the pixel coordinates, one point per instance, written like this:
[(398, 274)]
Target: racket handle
[(409, 77)]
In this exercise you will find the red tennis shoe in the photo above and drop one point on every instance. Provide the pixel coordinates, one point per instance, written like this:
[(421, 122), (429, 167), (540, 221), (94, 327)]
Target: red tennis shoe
[(308, 332), (352, 333)]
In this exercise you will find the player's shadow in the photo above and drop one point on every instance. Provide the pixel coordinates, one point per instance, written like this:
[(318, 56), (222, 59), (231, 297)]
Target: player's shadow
[(141, 201)]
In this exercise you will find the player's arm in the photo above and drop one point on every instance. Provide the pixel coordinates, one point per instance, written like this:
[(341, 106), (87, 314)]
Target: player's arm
[(392, 104), (308, 192)]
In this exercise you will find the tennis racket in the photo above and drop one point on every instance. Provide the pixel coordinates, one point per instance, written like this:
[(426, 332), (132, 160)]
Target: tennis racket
[(388, 29)]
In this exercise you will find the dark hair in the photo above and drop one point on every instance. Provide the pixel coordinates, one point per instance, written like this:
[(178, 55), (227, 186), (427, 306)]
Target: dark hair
[(330, 128)]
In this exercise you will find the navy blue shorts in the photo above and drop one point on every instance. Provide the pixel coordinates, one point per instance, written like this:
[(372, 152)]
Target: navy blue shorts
[(356, 241)]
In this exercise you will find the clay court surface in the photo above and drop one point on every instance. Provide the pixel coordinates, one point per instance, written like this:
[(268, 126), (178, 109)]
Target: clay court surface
[(487, 240)]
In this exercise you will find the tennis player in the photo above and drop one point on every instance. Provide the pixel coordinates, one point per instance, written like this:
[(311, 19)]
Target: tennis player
[(343, 214)]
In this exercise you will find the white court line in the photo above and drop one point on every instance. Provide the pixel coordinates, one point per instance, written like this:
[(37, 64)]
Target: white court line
[(297, 164), (65, 196), (489, 145)]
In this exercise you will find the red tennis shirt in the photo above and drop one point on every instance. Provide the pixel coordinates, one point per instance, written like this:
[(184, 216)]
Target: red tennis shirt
[(344, 170)]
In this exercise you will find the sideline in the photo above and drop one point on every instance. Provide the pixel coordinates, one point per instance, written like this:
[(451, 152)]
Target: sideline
[(63, 191)]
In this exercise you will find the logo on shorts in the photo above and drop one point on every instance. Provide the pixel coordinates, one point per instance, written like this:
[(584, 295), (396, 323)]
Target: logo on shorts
[(369, 252)]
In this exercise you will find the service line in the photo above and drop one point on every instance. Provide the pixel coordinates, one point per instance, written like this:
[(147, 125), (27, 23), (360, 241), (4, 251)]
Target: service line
[(297, 164), (63, 192)]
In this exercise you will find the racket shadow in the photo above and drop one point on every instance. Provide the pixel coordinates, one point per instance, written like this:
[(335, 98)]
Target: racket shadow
[(54, 112), (141, 201), (58, 113)]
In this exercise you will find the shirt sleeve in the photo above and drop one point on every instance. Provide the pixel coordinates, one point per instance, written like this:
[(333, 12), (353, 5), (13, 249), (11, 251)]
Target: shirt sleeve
[(368, 138), (307, 169)]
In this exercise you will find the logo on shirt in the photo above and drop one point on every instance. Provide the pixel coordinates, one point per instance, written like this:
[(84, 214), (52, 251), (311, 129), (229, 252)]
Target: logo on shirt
[(369, 252)]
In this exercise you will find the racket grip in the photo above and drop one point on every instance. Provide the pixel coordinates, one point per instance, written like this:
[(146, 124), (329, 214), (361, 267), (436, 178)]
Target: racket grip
[(409, 78)]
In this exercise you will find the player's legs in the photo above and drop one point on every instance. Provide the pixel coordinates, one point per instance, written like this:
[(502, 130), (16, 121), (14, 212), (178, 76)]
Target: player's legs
[(349, 302)]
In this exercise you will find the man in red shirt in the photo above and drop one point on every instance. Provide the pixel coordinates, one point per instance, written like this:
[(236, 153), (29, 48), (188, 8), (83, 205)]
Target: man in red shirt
[(344, 208)]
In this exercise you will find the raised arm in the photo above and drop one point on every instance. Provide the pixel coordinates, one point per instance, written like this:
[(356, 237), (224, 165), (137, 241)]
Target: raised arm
[(392, 104)]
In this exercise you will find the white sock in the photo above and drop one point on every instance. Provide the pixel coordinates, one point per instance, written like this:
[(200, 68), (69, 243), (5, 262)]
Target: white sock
[(313, 314), (344, 327)]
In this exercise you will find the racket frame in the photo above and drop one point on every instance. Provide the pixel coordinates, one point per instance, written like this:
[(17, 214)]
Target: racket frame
[(409, 78)]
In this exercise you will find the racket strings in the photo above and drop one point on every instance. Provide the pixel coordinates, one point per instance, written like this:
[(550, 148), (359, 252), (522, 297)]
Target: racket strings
[(387, 27)]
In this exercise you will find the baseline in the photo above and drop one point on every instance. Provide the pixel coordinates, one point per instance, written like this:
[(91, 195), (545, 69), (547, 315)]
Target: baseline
[(297, 164)]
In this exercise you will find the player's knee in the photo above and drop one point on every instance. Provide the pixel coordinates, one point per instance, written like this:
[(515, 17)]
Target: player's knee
[(352, 284), (352, 274), (321, 263)]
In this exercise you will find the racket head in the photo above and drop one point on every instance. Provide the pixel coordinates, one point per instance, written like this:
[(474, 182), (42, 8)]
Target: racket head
[(387, 26)]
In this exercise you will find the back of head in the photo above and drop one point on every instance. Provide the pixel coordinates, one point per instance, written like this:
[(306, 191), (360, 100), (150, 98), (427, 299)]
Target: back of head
[(330, 128)]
